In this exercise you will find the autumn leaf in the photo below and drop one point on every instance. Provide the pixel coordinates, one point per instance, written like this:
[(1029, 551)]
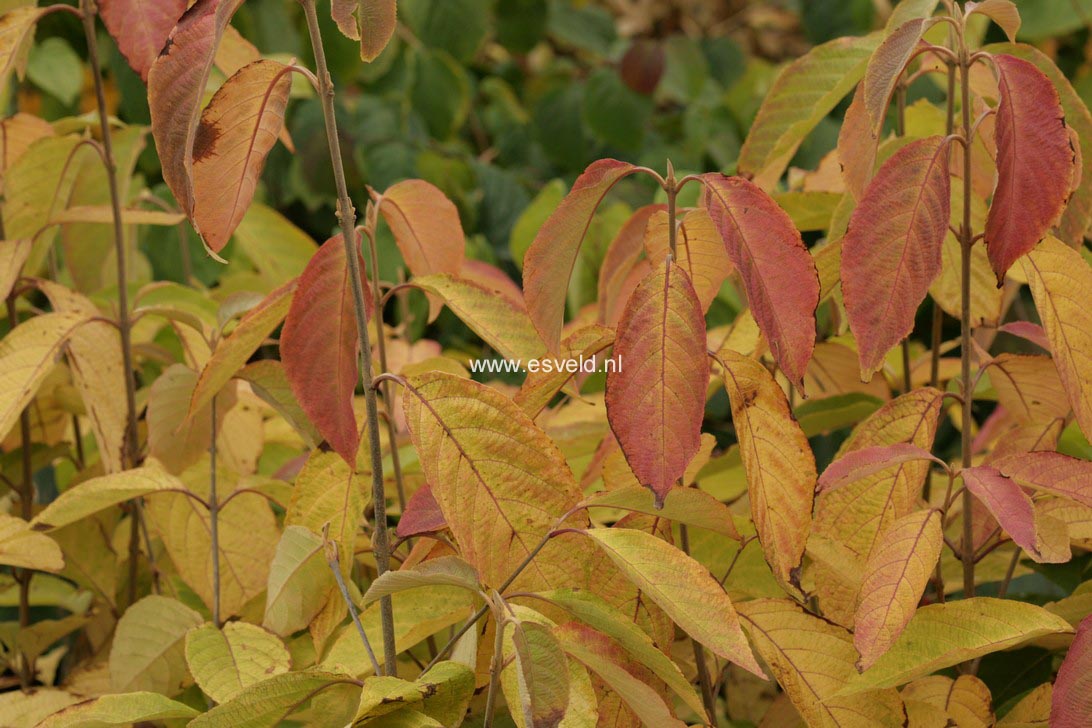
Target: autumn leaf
[(272, 700), (895, 577), (1071, 703), (542, 676), (176, 86), (176, 438), (148, 651), (328, 493), (140, 28), (225, 661), (17, 27), (1060, 279), (690, 506), (778, 273), (96, 494), (1050, 472), (1003, 12), (1035, 163), (621, 257), (120, 710), (699, 251), (372, 22), (540, 386), (440, 571), (549, 262), (680, 586), (319, 346), (891, 254), (965, 700), (425, 225), (859, 464), (17, 133), (300, 582), (238, 129), (779, 464), (1016, 514), (13, 254), (422, 514), (656, 398), (21, 547)]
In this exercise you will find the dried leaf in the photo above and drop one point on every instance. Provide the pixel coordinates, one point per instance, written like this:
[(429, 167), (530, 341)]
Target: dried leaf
[(140, 28)]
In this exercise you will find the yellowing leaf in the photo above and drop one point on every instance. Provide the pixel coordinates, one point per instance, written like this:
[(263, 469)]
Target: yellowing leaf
[(441, 571), (542, 675), (780, 467), (680, 586), (1060, 280), (1033, 711), (119, 710), (700, 251), (942, 635), (149, 646), (1002, 12), (327, 491), (17, 133), (812, 659), (97, 494), (226, 661), (965, 700), (540, 386), (1010, 505), (23, 548), (16, 35), (656, 397), (13, 254), (27, 354), (499, 480), (372, 22), (175, 439), (895, 577), (442, 693), (270, 701), (425, 225), (620, 259), (1071, 703), (23, 710), (689, 506), (300, 582)]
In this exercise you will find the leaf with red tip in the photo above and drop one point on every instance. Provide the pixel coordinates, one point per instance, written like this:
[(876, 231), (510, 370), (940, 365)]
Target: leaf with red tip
[(1071, 703), (319, 346), (656, 397), (1028, 331), (699, 251), (892, 252), (778, 272), (549, 262), (621, 256), (1050, 472), (860, 464), (176, 85), (1035, 163), (140, 28), (422, 514), (1010, 505), (1003, 12), (372, 22), (238, 129), (426, 227), (895, 576)]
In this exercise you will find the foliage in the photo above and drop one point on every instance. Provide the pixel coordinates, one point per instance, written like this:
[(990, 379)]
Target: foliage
[(832, 467)]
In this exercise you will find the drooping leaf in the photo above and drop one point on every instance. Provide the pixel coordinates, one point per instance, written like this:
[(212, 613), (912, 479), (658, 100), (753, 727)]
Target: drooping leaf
[(1071, 703), (426, 227), (778, 273), (372, 22), (860, 134), (549, 262), (542, 675), (656, 398), (319, 346), (17, 133), (92, 496), (895, 577), (500, 481), (1050, 472), (27, 355), (1060, 279), (16, 35), (141, 28), (1003, 12), (801, 97), (1029, 388), (965, 700), (441, 571), (176, 86), (148, 652), (680, 586), (20, 547), (859, 464), (505, 327), (269, 382), (270, 701), (119, 710), (300, 582), (226, 661), (175, 438), (237, 130), (1015, 512), (778, 460), (422, 514), (891, 253), (812, 659), (690, 506), (1035, 163), (700, 251), (442, 694), (941, 635)]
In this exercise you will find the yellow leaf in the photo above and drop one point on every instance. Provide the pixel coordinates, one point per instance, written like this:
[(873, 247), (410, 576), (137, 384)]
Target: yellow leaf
[(689, 506), (779, 463), (327, 491), (942, 635), (812, 659), (1060, 281), (700, 251), (174, 439), (300, 582), (1033, 711), (965, 700), (224, 662), (92, 496), (443, 694), (23, 548), (26, 710), (270, 701), (680, 586), (27, 354), (149, 646), (13, 254), (119, 710)]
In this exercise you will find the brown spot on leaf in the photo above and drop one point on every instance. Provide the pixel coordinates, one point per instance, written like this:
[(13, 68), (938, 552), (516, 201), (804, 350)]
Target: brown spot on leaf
[(204, 143)]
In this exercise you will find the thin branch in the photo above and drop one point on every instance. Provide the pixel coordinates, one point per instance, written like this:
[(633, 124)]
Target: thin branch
[(334, 561)]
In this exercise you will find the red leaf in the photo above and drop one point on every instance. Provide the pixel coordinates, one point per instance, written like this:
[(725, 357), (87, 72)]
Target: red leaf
[(1071, 703), (1012, 508), (778, 272), (656, 397), (621, 256), (176, 84), (892, 251), (140, 28), (319, 346), (426, 227), (1051, 472), (1035, 163), (549, 262), (422, 514), (859, 464), (1028, 331)]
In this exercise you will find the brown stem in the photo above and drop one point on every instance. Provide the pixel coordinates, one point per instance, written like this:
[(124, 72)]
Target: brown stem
[(965, 326), (346, 214), (334, 560)]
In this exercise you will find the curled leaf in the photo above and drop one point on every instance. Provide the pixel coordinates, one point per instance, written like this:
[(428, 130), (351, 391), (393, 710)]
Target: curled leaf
[(372, 22)]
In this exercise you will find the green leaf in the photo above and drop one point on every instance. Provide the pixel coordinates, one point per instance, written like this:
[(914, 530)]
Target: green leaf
[(456, 26), (542, 675), (56, 69), (224, 662), (267, 703), (614, 112), (443, 694), (441, 93), (119, 710), (149, 646), (97, 494), (442, 571)]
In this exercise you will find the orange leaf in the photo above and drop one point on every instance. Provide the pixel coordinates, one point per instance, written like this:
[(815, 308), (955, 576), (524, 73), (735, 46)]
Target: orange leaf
[(237, 130), (1010, 505), (621, 257), (319, 346), (699, 251), (549, 261), (176, 84), (140, 28), (372, 22), (426, 227), (892, 251), (1002, 12), (778, 272), (656, 396), (1035, 163)]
